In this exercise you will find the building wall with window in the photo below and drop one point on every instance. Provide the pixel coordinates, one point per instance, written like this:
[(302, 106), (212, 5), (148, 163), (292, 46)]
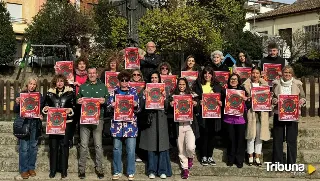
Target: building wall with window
[(295, 22), (21, 14)]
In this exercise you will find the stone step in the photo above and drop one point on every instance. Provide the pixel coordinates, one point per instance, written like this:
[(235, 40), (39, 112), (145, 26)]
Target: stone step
[(305, 130), (309, 143), (10, 139), (219, 170), (219, 154)]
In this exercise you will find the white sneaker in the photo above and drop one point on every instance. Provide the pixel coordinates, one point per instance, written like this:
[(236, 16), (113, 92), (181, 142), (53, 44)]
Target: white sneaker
[(152, 176), (116, 176), (250, 161), (163, 176), (131, 177), (138, 159)]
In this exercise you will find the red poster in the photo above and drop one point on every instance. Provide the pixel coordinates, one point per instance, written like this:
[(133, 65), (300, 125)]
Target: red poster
[(132, 58), (170, 81), (56, 121), (210, 106), (261, 98), (154, 97), (111, 80), (272, 72), (65, 68), (288, 107), (243, 72), (90, 111), (183, 108), (30, 105), (191, 76), (138, 85), (222, 77), (234, 104), (123, 110)]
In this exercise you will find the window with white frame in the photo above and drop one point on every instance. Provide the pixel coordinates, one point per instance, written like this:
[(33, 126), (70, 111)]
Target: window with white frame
[(15, 11)]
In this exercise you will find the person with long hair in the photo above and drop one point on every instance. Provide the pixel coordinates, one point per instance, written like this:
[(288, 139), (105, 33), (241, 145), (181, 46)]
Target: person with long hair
[(124, 131), (258, 121), (60, 95), (28, 146), (287, 85), (187, 132), (112, 65), (208, 127), (190, 64), (243, 60), (136, 76), (80, 77), (236, 129), (155, 137)]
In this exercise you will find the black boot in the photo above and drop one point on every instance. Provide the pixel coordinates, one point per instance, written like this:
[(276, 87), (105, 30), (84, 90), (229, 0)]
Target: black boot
[(52, 174)]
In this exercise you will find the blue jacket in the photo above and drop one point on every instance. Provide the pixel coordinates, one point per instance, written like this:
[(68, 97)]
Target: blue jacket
[(124, 129)]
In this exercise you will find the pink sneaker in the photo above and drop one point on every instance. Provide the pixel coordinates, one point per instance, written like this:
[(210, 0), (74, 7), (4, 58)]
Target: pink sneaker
[(190, 163), (185, 174)]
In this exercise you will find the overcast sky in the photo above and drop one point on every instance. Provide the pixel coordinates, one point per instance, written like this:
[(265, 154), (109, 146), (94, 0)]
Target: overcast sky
[(285, 1)]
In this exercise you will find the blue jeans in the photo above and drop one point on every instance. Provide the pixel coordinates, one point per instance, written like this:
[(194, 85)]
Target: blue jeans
[(117, 154), (159, 163), (28, 149)]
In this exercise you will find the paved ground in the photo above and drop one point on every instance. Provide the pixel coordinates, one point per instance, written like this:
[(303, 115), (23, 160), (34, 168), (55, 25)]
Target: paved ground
[(43, 176)]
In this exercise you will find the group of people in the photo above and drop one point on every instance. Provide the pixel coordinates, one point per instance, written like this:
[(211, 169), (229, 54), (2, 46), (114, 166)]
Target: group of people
[(153, 130)]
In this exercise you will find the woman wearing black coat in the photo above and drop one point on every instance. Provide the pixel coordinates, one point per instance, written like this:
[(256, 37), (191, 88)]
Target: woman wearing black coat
[(60, 96), (208, 127)]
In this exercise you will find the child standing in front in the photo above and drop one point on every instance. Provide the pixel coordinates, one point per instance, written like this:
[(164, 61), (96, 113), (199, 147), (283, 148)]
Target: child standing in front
[(187, 132)]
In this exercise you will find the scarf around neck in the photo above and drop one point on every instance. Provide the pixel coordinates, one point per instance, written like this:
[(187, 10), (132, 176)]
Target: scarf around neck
[(288, 83)]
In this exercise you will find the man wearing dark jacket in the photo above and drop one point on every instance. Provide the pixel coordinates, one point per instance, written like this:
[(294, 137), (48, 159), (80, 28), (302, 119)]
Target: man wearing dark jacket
[(273, 56), (150, 61)]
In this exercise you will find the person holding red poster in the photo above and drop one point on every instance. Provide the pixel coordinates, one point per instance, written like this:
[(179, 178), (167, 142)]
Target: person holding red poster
[(60, 96), (191, 65), (28, 146), (258, 121), (187, 132), (154, 134), (243, 62), (124, 131), (208, 127), (93, 88), (236, 128), (113, 65), (287, 85)]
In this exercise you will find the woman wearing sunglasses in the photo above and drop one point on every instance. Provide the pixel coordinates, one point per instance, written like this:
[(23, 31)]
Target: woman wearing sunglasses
[(136, 76), (165, 68), (124, 131)]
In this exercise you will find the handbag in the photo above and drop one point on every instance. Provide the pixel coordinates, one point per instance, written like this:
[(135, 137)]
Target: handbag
[(21, 128)]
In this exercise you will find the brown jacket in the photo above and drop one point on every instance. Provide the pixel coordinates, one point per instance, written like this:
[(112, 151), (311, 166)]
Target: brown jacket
[(252, 119), (296, 89)]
